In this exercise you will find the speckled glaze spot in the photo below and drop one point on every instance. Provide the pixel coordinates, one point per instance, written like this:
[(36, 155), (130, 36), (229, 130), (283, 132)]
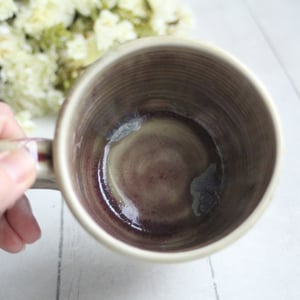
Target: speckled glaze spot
[(206, 191)]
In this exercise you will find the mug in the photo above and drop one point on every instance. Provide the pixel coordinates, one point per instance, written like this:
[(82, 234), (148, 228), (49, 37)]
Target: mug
[(165, 149)]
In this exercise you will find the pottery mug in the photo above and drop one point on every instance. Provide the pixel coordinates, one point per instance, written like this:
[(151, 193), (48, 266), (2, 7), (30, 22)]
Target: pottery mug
[(165, 149)]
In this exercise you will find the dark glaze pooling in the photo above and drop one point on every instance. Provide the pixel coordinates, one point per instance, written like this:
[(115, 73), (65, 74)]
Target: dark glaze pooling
[(148, 208)]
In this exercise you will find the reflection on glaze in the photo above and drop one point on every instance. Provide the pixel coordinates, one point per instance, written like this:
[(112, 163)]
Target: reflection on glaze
[(126, 128), (205, 191), (130, 211)]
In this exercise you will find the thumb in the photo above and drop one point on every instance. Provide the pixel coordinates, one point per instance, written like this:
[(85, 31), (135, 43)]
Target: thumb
[(17, 173)]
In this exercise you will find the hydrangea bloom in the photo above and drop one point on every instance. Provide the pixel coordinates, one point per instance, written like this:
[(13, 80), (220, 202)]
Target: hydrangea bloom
[(7, 9), (76, 48), (42, 14), (85, 7), (109, 29), (137, 8), (46, 44), (29, 76)]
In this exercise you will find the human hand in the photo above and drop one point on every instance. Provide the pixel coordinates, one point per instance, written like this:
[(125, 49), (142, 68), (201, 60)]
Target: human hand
[(18, 226)]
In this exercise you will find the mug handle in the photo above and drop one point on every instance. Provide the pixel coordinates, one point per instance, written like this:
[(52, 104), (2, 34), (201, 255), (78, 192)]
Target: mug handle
[(41, 151)]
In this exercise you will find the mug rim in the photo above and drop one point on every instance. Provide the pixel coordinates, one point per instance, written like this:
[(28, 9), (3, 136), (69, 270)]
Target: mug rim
[(61, 154)]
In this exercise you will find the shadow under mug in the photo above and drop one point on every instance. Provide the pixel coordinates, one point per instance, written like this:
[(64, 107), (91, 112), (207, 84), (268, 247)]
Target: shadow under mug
[(199, 152)]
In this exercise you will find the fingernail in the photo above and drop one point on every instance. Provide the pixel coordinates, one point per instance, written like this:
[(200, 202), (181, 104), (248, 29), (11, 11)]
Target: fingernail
[(18, 165)]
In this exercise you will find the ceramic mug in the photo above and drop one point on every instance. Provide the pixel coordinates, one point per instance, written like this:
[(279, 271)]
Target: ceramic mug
[(165, 149)]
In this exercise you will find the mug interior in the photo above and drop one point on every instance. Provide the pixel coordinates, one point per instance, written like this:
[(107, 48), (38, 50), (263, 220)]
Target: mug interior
[(191, 81)]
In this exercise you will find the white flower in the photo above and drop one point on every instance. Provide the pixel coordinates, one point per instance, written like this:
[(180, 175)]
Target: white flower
[(85, 7), (76, 48), (109, 29), (8, 44), (105, 29), (93, 52), (166, 9), (43, 14), (183, 24), (26, 82), (136, 7), (7, 9), (107, 18), (12, 41), (164, 12), (109, 4), (28, 76), (125, 32)]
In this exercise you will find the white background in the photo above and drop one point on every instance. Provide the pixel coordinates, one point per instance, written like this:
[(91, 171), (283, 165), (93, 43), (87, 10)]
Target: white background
[(265, 264)]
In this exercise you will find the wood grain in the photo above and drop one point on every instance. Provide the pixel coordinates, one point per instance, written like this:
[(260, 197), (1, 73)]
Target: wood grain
[(67, 264)]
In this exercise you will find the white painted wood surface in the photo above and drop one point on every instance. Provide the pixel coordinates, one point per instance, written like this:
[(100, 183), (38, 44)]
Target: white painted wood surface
[(265, 264)]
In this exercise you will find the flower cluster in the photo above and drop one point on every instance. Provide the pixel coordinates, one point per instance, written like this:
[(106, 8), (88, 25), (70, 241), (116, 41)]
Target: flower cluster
[(46, 44)]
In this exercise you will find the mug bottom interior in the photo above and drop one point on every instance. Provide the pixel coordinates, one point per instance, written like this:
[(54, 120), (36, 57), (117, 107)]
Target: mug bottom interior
[(161, 176)]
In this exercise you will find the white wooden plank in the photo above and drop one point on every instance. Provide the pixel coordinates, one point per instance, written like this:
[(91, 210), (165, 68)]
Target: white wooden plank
[(90, 272), (279, 21), (263, 264), (32, 274)]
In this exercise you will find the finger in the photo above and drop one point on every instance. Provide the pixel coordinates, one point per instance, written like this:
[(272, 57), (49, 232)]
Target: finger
[(17, 173), (22, 221), (9, 128), (9, 239)]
